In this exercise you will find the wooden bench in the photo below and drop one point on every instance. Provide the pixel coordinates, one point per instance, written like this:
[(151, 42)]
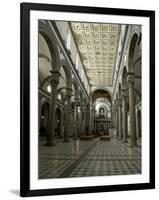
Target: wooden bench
[(105, 138)]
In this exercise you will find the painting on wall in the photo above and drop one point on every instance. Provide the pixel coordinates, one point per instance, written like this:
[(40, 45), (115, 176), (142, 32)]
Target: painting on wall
[(86, 105)]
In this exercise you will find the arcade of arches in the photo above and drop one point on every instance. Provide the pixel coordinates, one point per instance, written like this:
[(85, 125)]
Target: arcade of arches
[(89, 99)]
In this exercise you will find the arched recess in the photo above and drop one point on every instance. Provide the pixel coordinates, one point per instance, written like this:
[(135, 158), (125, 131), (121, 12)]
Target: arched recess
[(65, 65), (134, 64), (102, 106), (48, 56), (94, 89), (106, 103), (101, 93), (44, 119), (45, 59), (119, 90), (76, 88), (68, 40), (124, 78), (46, 31), (139, 123), (77, 61), (138, 71), (132, 48), (57, 121)]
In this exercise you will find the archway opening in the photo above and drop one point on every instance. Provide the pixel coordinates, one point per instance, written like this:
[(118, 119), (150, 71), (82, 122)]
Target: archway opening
[(102, 102), (58, 121), (44, 119), (139, 123), (101, 93)]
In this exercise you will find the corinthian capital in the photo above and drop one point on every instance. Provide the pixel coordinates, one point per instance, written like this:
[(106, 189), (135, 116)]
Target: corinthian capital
[(77, 100), (119, 102), (123, 93), (54, 79), (130, 79), (68, 92)]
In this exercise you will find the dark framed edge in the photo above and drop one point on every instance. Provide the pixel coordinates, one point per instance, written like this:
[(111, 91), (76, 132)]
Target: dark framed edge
[(25, 9)]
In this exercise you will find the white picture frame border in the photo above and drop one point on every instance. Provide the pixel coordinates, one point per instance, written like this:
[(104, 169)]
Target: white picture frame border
[(35, 183)]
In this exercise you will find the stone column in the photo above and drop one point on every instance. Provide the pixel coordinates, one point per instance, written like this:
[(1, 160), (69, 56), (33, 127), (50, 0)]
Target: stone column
[(90, 120), (132, 109), (67, 114), (94, 120), (95, 127), (78, 120), (138, 120), (117, 122), (51, 124), (119, 103), (92, 124), (87, 117), (75, 119), (108, 125), (84, 120), (137, 124), (116, 119), (112, 117), (62, 124), (124, 113), (81, 120), (107, 132)]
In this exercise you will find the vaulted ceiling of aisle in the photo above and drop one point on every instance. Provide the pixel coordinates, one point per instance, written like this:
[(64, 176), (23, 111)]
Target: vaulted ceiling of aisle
[(97, 44)]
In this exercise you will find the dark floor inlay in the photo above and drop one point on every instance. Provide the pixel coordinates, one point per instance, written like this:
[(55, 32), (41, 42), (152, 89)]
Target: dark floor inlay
[(69, 170)]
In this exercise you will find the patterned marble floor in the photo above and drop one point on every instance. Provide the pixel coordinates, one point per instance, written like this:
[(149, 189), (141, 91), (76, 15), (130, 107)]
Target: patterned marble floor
[(88, 158)]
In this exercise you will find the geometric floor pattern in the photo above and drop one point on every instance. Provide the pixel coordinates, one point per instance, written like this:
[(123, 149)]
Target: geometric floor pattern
[(88, 158)]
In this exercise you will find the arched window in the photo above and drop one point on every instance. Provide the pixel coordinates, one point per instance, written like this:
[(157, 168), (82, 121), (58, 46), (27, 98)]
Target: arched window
[(77, 61), (68, 42)]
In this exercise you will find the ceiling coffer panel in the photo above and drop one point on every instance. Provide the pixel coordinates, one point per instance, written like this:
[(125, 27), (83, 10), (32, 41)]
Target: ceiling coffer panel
[(98, 45)]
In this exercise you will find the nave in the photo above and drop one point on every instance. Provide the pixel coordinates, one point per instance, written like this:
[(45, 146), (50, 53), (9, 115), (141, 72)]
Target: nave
[(90, 99)]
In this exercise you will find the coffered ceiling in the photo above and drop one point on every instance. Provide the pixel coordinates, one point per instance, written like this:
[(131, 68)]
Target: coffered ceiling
[(97, 45)]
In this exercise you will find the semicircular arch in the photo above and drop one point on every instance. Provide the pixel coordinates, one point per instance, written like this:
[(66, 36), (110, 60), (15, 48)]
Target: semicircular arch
[(46, 32), (132, 48)]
